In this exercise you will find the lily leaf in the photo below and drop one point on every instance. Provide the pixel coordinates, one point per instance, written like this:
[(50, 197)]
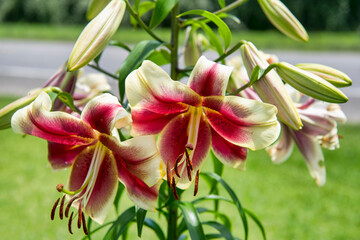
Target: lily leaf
[(68, 100), (140, 218), (215, 42), (155, 227), (160, 57), (221, 3), (224, 232), (141, 9), (140, 52), (224, 30), (257, 221), (120, 224), (162, 9), (233, 196), (118, 195), (192, 220), (119, 44)]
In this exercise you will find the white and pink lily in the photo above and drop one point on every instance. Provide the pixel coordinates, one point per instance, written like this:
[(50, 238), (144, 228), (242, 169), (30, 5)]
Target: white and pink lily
[(193, 118), (319, 130), (90, 145)]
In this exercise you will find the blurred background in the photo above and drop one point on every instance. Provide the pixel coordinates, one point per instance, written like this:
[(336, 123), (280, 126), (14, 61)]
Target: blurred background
[(36, 38)]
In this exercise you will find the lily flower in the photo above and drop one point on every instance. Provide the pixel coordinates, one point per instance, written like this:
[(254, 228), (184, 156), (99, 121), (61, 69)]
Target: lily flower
[(193, 118), (90, 145), (319, 130)]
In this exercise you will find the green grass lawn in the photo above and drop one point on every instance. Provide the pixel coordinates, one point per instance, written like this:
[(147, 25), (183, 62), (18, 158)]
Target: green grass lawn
[(284, 196), (320, 41)]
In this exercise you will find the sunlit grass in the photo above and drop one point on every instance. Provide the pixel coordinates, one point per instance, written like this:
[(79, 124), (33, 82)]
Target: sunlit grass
[(320, 41), (284, 196)]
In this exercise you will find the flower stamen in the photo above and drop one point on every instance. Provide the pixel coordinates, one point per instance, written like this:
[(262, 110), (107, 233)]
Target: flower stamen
[(173, 185), (52, 215), (168, 174), (196, 187), (61, 210), (84, 224), (177, 163), (70, 221), (79, 217), (69, 205)]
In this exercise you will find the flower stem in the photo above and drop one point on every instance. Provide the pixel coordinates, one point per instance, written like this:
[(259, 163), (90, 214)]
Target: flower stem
[(172, 233), (103, 71), (141, 23), (230, 6)]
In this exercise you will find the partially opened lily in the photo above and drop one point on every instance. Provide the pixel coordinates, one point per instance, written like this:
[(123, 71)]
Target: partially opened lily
[(192, 118), (90, 145), (319, 130)]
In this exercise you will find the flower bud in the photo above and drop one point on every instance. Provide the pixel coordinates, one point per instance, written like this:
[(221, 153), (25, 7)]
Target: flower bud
[(96, 35), (95, 7), (192, 48), (270, 88), (310, 84), (333, 76), (281, 17)]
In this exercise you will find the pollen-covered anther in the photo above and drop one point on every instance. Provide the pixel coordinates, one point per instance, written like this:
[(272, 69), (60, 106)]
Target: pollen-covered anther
[(168, 178), (61, 209), (79, 217), (177, 164), (196, 187), (52, 214), (70, 221), (60, 187), (84, 224), (68, 206), (173, 185), (188, 160), (189, 173)]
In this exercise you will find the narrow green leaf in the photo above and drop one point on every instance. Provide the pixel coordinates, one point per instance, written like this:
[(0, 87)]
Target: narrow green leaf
[(212, 36), (139, 53), (160, 57), (137, 2), (233, 197), (120, 224), (140, 217), (211, 198), (221, 3), (155, 227), (119, 44), (192, 220), (229, 16), (161, 10), (223, 218), (224, 30), (97, 229), (118, 195), (68, 100), (257, 221), (255, 74), (224, 232), (142, 8)]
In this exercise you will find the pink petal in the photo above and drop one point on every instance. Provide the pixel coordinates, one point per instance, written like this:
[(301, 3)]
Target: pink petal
[(141, 194), (311, 151), (228, 153), (37, 120), (139, 155), (62, 155), (148, 122), (151, 84), (209, 78), (103, 112), (104, 190), (243, 122), (172, 143), (281, 150)]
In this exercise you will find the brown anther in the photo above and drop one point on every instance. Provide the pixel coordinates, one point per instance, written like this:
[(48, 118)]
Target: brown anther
[(84, 224), (168, 178), (188, 160), (70, 221), (189, 146), (189, 173), (173, 185), (340, 136), (79, 217), (177, 163), (60, 187), (52, 215), (61, 209), (196, 187), (68, 206)]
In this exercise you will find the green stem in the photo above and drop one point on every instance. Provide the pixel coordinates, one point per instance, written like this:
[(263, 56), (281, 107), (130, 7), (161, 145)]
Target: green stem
[(230, 6), (103, 71), (229, 52), (174, 45), (141, 23), (172, 233)]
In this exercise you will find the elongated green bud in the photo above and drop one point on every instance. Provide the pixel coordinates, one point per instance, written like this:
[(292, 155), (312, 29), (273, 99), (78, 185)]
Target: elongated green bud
[(96, 35), (332, 75), (95, 7), (281, 17), (270, 88), (310, 84), (192, 48)]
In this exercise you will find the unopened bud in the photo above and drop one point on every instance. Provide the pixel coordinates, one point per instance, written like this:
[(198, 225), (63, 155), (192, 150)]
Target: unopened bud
[(281, 17), (310, 84), (270, 88), (192, 48), (96, 35), (332, 75)]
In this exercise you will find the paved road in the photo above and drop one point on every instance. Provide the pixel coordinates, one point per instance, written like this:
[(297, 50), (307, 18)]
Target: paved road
[(27, 64)]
